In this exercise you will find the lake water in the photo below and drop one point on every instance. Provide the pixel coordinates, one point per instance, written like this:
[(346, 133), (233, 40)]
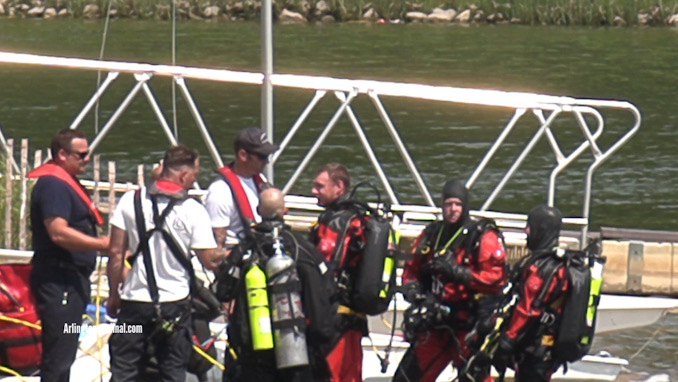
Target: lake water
[(637, 188)]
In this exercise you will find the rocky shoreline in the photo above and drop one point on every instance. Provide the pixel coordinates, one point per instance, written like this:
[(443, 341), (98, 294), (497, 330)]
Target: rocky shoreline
[(322, 11)]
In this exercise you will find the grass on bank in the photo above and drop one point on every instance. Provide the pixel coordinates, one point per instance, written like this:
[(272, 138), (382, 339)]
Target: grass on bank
[(530, 12)]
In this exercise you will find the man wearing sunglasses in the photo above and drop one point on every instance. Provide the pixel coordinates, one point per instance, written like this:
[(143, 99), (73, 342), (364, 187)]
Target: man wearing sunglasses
[(65, 241), (232, 198)]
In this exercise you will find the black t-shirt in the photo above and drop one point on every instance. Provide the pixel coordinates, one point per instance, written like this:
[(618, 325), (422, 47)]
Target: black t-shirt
[(52, 197)]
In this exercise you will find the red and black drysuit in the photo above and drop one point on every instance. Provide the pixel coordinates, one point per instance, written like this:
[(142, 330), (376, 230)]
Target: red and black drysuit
[(457, 276), (526, 343), (339, 237)]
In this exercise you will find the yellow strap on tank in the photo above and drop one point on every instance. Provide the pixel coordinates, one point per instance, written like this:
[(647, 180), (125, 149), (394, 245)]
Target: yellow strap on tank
[(208, 357), (343, 309)]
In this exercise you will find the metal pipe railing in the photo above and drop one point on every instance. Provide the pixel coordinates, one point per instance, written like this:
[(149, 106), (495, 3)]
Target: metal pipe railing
[(519, 101), (368, 149), (319, 141)]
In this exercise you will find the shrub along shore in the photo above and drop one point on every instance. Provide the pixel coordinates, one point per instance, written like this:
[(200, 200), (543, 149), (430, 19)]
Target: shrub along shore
[(527, 12)]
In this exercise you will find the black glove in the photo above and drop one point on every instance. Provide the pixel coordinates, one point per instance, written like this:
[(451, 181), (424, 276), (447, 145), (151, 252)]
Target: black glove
[(435, 312), (449, 271), (503, 356), (411, 292)]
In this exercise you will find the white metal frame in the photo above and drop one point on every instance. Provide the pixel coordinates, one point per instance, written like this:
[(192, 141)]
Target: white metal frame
[(544, 107)]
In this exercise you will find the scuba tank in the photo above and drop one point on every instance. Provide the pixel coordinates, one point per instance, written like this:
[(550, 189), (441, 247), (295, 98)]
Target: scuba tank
[(259, 314), (286, 306)]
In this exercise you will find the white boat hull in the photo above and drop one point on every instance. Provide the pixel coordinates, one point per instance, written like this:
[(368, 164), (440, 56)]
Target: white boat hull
[(590, 368), (614, 313)]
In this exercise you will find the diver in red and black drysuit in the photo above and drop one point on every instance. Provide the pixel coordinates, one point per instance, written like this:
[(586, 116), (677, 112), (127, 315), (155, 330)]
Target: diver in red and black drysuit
[(339, 237), (455, 277), (527, 342)]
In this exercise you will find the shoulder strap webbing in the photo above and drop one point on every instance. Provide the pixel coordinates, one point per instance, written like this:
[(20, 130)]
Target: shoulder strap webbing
[(538, 302), (145, 251), (145, 237), (339, 246)]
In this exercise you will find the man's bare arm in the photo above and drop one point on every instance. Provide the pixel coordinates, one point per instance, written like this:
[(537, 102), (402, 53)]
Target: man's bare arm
[(220, 235), (70, 238), (114, 269), (211, 258)]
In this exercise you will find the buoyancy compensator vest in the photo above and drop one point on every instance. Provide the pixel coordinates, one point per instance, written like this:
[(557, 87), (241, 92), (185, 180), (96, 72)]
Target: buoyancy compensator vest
[(269, 315), (372, 283)]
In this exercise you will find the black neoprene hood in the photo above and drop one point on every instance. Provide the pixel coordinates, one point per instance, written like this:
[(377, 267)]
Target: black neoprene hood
[(457, 189), (544, 223)]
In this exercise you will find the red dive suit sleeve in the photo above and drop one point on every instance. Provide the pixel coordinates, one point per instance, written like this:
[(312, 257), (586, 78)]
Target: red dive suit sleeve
[(527, 311), (489, 275), (488, 272)]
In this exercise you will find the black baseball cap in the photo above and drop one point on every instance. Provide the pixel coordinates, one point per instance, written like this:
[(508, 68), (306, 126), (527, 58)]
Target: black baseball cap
[(255, 141)]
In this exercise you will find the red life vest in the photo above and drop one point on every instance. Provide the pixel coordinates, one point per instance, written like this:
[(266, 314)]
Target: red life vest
[(245, 210), (52, 169)]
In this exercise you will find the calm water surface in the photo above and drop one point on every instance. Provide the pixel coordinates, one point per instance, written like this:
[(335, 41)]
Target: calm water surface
[(634, 189)]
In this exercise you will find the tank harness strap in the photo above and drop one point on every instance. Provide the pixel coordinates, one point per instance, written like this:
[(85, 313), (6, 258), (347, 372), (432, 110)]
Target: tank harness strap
[(339, 247), (343, 309), (287, 287), (292, 323), (144, 238), (145, 252), (539, 300)]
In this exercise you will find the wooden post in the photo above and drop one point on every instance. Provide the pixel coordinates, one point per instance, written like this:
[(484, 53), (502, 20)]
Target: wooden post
[(111, 189), (140, 175), (96, 178), (24, 194), (37, 160), (8, 193)]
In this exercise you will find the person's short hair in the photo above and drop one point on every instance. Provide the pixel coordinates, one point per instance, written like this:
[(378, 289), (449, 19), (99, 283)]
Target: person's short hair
[(63, 139), (177, 157), (337, 173)]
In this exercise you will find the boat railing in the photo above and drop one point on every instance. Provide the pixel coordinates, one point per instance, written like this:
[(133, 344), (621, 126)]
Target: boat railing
[(544, 108)]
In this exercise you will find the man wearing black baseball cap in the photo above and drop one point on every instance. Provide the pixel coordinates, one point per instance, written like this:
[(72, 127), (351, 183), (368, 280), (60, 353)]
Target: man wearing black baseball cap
[(233, 197)]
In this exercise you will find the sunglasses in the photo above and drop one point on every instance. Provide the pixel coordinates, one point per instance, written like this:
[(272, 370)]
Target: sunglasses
[(82, 156), (261, 157)]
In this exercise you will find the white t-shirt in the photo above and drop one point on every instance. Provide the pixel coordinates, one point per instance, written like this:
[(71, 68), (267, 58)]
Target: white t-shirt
[(223, 210), (188, 222)]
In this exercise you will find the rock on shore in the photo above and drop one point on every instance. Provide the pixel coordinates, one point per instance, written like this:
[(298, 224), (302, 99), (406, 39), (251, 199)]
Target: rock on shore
[(304, 11)]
